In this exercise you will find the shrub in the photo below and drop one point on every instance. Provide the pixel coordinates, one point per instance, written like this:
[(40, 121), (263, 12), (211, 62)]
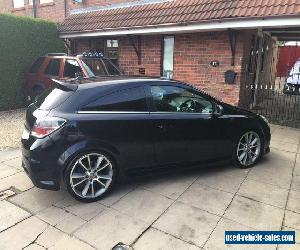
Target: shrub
[(22, 41)]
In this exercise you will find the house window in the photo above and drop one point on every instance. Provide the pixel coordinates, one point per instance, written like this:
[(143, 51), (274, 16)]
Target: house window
[(45, 1), (30, 2), (168, 57), (112, 50), (112, 43), (18, 3)]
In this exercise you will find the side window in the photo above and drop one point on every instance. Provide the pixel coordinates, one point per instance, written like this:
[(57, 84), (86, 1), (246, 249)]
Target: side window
[(53, 67), (177, 99), (126, 100), (37, 65), (71, 68)]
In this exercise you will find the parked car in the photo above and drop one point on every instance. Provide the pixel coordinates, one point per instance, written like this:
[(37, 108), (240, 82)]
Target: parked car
[(293, 80), (86, 135), (61, 66)]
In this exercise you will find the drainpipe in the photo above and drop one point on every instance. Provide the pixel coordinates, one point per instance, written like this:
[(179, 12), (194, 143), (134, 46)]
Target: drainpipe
[(34, 8), (65, 4)]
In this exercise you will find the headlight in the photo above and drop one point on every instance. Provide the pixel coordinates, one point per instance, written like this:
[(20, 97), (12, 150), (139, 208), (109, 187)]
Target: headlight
[(265, 119)]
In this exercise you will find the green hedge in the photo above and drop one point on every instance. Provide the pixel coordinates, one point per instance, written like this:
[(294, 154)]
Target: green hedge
[(22, 41)]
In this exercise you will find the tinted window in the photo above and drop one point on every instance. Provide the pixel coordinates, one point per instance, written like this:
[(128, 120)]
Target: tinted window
[(71, 68), (52, 98), (111, 68), (37, 65), (176, 99), (96, 66), (125, 100), (53, 67)]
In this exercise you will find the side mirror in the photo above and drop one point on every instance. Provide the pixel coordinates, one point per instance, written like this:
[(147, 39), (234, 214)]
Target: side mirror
[(78, 75), (218, 110)]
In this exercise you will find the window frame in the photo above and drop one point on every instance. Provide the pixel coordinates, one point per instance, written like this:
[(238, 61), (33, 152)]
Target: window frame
[(18, 7), (147, 111), (154, 110)]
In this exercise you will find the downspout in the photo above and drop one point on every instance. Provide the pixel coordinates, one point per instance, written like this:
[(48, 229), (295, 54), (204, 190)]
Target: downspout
[(34, 8), (65, 5)]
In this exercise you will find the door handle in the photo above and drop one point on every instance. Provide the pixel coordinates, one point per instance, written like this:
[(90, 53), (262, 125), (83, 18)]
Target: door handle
[(165, 126)]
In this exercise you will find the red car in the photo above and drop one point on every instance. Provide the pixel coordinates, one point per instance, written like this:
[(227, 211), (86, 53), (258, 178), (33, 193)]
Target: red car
[(62, 66)]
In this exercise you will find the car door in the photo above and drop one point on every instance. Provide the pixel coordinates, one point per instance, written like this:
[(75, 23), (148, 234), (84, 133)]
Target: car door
[(120, 121), (184, 133)]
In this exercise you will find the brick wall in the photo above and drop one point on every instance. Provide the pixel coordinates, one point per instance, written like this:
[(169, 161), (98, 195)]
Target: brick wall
[(192, 56)]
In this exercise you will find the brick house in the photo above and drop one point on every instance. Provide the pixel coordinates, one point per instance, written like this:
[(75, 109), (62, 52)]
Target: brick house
[(195, 41)]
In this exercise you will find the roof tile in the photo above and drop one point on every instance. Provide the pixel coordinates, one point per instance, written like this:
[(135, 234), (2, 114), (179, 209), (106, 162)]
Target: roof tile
[(177, 11)]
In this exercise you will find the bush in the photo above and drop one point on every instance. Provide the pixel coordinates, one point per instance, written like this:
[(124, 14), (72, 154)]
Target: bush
[(22, 41)]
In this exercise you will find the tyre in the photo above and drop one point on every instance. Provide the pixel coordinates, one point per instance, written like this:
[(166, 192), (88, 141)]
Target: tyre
[(248, 149), (90, 176)]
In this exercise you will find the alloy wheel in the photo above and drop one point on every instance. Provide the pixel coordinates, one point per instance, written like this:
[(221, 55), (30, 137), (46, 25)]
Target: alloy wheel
[(249, 148), (91, 176)]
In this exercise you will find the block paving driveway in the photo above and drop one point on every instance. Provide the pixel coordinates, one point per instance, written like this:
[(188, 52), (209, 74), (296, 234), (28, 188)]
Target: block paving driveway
[(188, 210)]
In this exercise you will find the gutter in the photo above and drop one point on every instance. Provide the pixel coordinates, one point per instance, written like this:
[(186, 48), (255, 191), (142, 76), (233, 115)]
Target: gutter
[(274, 22)]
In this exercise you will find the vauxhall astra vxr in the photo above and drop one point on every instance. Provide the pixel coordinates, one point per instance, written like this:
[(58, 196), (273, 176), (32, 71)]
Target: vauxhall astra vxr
[(86, 135)]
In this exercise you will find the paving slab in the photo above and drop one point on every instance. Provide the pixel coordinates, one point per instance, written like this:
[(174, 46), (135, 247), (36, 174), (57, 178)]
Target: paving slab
[(292, 220), (19, 181), (10, 215), (188, 223), (217, 238), (296, 182), (53, 238), (6, 155), (255, 214), (86, 211), (294, 201), (34, 247), (117, 193), (221, 180), (23, 234), (35, 200), (285, 146), (6, 171), (171, 186), (61, 219), (277, 178), (265, 193), (155, 239), (143, 205), (206, 198), (15, 163), (109, 228)]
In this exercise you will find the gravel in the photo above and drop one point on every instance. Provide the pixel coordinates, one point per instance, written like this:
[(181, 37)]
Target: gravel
[(11, 124)]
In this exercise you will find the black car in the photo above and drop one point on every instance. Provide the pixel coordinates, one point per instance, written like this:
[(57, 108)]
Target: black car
[(86, 135)]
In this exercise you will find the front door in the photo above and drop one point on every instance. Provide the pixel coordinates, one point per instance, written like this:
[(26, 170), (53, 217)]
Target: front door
[(184, 125)]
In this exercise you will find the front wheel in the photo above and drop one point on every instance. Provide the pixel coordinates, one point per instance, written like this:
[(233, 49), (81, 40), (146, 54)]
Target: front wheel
[(248, 150), (90, 176)]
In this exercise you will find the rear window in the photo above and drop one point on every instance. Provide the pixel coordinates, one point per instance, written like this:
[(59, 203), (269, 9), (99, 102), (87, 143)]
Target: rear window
[(37, 65), (52, 98)]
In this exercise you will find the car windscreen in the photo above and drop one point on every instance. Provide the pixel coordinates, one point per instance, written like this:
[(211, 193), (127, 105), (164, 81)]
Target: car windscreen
[(100, 67), (52, 98)]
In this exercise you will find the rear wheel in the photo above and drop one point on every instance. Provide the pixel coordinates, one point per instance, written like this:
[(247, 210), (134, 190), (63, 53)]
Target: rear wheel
[(248, 150), (90, 176)]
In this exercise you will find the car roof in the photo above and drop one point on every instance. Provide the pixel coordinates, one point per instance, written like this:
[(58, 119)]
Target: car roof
[(118, 81)]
